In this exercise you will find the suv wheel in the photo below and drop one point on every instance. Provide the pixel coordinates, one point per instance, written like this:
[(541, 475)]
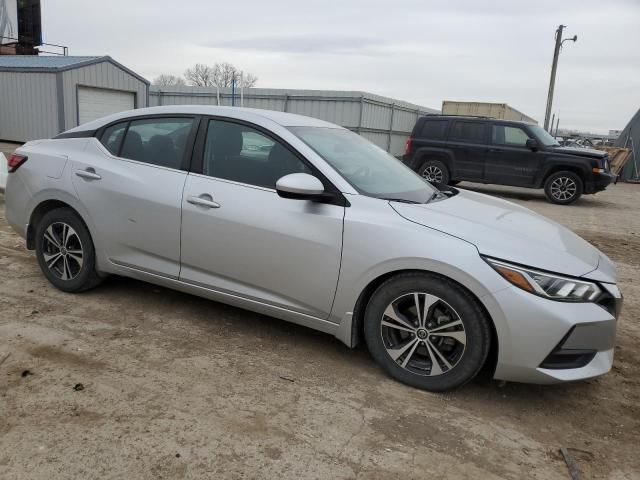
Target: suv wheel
[(65, 251), (435, 171), (427, 331), (563, 188)]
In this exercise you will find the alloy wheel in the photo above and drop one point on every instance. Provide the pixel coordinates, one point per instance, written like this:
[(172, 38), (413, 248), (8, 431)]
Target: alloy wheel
[(432, 174), (62, 251), (563, 188), (423, 334)]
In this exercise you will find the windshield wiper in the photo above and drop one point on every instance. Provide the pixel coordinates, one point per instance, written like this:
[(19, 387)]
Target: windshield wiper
[(402, 200), (434, 195)]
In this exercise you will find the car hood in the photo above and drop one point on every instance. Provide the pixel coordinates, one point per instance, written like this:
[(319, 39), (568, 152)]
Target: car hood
[(580, 152), (504, 230)]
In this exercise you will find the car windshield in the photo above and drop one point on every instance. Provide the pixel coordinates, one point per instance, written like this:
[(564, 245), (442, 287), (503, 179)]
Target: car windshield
[(543, 136), (368, 168)]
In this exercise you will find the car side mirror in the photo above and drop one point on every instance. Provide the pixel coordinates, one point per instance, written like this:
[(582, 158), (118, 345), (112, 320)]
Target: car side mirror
[(532, 144), (300, 186)]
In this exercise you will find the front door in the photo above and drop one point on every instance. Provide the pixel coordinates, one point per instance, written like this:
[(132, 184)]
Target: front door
[(131, 184), (240, 237), (510, 161), (468, 143)]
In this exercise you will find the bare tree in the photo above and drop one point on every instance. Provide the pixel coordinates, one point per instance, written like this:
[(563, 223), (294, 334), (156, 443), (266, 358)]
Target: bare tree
[(220, 75), (166, 80), (200, 75)]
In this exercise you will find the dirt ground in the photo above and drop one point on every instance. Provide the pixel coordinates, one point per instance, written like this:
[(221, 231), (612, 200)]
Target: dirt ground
[(179, 387)]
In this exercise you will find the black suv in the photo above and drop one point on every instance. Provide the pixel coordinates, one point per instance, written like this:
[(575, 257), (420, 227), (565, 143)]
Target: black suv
[(448, 149)]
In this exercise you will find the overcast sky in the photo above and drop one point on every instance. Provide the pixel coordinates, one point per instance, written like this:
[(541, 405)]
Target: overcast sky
[(420, 51)]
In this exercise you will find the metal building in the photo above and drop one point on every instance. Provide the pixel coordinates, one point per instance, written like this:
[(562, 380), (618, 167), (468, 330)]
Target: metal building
[(630, 138), (41, 96), (384, 121)]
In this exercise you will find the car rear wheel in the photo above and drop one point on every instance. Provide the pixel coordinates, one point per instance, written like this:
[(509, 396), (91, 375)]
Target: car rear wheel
[(65, 251), (435, 171), (563, 188), (426, 331)]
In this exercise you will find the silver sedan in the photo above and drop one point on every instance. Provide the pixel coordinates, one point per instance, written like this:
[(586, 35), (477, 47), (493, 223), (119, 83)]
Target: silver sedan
[(306, 221)]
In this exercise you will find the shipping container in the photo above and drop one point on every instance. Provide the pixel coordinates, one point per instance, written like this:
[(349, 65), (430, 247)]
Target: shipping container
[(485, 109)]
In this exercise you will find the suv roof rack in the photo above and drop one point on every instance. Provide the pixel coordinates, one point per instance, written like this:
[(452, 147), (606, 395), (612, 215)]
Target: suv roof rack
[(460, 116)]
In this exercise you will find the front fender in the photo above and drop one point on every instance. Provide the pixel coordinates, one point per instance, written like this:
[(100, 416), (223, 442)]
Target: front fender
[(379, 242)]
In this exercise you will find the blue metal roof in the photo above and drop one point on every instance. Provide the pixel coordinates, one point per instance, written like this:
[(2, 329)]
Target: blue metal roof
[(42, 62)]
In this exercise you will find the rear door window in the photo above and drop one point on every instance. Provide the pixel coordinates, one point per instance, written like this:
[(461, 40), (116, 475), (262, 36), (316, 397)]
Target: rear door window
[(157, 141), (469, 132), (434, 129)]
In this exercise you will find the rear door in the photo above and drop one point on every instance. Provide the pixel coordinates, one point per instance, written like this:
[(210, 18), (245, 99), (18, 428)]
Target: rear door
[(240, 237), (130, 180), (468, 142), (510, 161)]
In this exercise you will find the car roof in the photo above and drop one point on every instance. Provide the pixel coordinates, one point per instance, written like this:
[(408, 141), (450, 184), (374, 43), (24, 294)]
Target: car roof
[(254, 115)]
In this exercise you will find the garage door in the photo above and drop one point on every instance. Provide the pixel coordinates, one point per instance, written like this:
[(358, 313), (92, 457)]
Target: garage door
[(97, 102)]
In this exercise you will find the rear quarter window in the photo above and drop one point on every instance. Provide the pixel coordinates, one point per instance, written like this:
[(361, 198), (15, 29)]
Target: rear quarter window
[(112, 137)]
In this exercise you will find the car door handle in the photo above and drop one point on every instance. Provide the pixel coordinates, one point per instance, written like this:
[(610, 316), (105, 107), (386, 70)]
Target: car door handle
[(89, 174), (202, 201), (495, 150)]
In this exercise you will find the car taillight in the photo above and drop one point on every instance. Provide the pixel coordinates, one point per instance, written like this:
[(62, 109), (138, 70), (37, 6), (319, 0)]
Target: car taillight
[(407, 147), (15, 161)]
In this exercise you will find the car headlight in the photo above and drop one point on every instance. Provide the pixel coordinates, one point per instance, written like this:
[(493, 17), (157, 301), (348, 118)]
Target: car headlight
[(549, 285)]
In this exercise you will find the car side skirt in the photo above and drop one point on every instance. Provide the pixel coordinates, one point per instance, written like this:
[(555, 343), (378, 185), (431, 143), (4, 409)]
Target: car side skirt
[(340, 331)]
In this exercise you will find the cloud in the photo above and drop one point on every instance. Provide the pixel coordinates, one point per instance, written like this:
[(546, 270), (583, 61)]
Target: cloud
[(310, 44)]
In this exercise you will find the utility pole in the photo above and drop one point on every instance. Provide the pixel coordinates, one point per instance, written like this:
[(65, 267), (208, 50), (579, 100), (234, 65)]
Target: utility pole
[(554, 68), (233, 89)]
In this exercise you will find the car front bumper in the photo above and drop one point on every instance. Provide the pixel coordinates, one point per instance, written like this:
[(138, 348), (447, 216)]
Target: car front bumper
[(545, 341), (600, 181)]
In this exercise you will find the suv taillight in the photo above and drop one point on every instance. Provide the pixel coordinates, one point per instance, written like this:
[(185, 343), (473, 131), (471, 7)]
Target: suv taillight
[(407, 147), (15, 161)]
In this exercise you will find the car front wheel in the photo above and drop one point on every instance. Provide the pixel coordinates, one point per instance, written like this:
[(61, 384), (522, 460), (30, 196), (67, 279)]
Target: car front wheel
[(563, 188), (427, 331)]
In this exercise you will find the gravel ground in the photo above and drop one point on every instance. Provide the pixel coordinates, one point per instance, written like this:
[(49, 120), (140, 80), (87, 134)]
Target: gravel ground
[(134, 381)]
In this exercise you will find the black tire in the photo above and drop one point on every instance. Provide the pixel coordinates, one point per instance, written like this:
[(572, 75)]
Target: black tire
[(453, 183), (563, 188), (67, 273), (420, 372), (435, 171)]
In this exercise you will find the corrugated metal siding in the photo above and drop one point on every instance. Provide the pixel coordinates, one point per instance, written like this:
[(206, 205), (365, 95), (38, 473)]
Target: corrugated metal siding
[(28, 106), (630, 138), (100, 75), (368, 114)]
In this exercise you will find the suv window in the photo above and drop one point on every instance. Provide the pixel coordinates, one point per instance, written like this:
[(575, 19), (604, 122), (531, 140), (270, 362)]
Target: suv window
[(434, 129), (112, 137), (509, 136), (157, 141), (468, 132), (240, 153)]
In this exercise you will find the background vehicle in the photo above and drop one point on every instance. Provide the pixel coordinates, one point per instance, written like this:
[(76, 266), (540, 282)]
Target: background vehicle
[(449, 149), (303, 220)]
